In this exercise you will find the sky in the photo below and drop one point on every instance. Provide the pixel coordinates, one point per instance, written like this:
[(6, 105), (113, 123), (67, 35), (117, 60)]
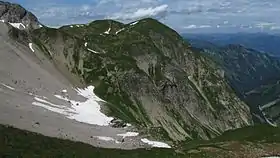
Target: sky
[(185, 16)]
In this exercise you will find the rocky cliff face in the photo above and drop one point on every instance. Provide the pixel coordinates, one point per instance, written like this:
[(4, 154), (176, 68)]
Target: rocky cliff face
[(253, 75), (148, 75), (16, 14)]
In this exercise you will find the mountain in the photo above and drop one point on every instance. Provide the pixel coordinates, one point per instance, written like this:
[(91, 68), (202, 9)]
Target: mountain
[(149, 76), (254, 75), (93, 82), (259, 41), (17, 16)]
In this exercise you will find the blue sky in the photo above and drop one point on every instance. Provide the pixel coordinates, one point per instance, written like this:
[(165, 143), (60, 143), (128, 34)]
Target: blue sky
[(182, 15)]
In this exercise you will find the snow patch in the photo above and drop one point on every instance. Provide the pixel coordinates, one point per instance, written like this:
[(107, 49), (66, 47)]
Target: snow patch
[(30, 46), (9, 87), (71, 26), (42, 101), (128, 134), (34, 95), (18, 25), (40, 26), (93, 51), (108, 31), (155, 143), (134, 23), (86, 44), (64, 91), (2, 20), (266, 119), (271, 157), (120, 31), (87, 112), (105, 138)]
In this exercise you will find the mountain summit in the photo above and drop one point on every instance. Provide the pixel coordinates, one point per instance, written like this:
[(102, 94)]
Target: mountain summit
[(17, 16)]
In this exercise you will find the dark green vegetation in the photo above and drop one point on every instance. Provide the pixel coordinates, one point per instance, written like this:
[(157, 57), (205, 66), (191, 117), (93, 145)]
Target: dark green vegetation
[(148, 75), (19, 143)]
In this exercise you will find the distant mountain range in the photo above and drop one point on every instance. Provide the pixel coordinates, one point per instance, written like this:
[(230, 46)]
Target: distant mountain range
[(254, 75), (260, 41)]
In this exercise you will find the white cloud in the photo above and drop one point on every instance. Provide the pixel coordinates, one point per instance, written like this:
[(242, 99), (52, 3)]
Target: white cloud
[(275, 28), (264, 24), (196, 27), (141, 13)]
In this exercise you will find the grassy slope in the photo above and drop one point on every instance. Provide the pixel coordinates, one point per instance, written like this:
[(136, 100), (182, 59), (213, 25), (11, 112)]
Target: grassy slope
[(19, 143)]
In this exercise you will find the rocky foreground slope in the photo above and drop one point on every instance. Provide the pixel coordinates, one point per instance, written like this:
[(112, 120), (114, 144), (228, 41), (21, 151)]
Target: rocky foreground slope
[(144, 73)]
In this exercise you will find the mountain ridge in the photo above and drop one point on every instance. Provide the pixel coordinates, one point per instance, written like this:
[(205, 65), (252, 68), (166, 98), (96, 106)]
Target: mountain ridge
[(135, 32)]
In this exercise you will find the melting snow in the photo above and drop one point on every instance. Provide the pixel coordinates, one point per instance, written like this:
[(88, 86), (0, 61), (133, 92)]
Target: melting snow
[(42, 101), (71, 26), (134, 23), (40, 26), (93, 51), (128, 134), (105, 138), (86, 44), (86, 112), (9, 87), (18, 25), (119, 31), (108, 31), (30, 46), (2, 20), (37, 95), (266, 119), (64, 91), (155, 143)]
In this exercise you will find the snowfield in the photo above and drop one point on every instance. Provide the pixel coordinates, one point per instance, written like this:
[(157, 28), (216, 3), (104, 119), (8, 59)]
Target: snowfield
[(85, 112), (155, 143)]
